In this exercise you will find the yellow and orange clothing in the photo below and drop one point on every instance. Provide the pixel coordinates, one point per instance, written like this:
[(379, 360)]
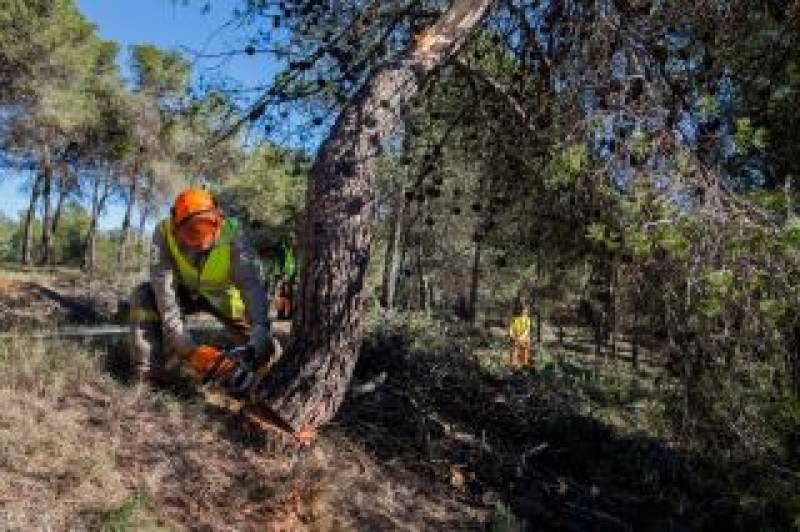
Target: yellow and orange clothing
[(520, 329), (520, 333), (226, 281)]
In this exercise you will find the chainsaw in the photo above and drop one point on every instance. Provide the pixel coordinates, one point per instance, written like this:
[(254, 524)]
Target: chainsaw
[(241, 394)]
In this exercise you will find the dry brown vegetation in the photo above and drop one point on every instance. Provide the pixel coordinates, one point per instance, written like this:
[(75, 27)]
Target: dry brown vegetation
[(33, 297), (81, 450), (436, 434)]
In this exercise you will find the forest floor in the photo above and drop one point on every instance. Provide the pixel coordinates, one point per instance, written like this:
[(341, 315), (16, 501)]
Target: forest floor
[(33, 297), (447, 438)]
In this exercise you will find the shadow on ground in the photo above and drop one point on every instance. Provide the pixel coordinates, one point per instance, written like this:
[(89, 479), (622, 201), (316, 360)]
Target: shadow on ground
[(337, 484), (526, 441), (441, 445)]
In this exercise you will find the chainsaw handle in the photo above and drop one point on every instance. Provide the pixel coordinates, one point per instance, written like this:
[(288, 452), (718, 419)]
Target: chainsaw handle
[(238, 352), (239, 355)]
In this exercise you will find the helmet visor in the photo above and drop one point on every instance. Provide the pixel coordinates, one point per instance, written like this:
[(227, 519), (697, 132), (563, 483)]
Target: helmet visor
[(200, 231)]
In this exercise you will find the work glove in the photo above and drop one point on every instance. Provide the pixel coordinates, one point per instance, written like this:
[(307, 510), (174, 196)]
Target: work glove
[(180, 344), (233, 374), (241, 379), (209, 362), (262, 343)]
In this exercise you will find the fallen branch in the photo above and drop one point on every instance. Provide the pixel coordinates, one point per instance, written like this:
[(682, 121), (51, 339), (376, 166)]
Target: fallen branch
[(448, 431)]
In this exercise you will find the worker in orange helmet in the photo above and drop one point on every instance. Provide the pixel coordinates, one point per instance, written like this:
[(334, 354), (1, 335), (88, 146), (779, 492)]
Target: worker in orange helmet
[(199, 263)]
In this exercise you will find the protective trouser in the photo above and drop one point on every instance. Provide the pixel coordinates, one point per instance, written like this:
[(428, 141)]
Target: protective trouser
[(521, 355), (148, 357)]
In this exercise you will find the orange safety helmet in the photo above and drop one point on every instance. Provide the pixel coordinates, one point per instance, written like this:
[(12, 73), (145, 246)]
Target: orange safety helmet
[(196, 219), (190, 202)]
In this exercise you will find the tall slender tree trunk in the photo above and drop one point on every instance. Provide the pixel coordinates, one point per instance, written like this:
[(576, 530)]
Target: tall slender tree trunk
[(429, 293), (393, 251), (63, 191), (47, 220), (536, 303), (787, 192), (142, 221), (404, 260), (98, 204), (89, 243), (126, 222), (422, 289), (307, 385), (635, 333), (472, 311), (612, 311), (792, 359), (27, 232), (90, 251)]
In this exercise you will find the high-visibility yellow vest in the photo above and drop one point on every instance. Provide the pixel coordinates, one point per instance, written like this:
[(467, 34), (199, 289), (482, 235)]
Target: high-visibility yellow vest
[(214, 281), (520, 328)]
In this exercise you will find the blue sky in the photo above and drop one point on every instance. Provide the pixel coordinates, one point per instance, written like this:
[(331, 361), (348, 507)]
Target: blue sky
[(168, 24)]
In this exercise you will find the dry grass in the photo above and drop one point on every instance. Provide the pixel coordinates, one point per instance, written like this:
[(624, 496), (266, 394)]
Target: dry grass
[(43, 297), (79, 450)]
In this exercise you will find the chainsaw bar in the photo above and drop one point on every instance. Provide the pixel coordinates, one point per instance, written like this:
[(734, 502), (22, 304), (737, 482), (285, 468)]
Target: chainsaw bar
[(93, 331)]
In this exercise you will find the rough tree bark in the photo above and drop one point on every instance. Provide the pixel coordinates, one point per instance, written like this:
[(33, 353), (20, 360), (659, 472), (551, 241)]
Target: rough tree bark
[(309, 382), (47, 220), (27, 234)]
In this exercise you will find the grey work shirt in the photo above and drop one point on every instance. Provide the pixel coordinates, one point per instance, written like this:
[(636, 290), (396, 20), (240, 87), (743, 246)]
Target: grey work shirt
[(246, 276)]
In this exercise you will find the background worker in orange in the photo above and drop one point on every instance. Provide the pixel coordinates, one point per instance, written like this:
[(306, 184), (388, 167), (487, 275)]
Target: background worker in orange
[(199, 263), (520, 333)]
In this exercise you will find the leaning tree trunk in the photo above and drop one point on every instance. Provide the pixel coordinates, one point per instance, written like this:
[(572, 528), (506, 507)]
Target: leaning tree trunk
[(308, 384), (47, 220), (27, 232)]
